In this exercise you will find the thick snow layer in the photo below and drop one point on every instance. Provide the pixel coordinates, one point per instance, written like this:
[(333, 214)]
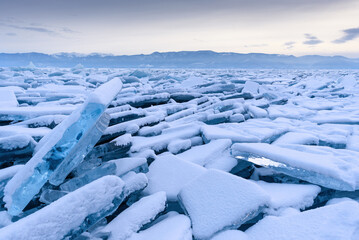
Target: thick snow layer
[(161, 142), (337, 169), (218, 200), (337, 221), (230, 235), (284, 195), (16, 142), (24, 113), (169, 173), (176, 227), (132, 219), (61, 217), (297, 138)]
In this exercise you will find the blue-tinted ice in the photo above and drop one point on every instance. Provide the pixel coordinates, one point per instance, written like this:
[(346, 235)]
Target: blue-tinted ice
[(63, 149)]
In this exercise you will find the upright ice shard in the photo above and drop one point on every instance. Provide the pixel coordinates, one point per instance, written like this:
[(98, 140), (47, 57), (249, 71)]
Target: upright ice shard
[(59, 152)]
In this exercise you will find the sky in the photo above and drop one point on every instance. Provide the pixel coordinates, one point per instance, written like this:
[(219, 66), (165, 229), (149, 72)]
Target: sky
[(294, 27)]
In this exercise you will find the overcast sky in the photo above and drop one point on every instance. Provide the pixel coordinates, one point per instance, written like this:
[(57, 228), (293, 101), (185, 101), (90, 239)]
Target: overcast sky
[(298, 27)]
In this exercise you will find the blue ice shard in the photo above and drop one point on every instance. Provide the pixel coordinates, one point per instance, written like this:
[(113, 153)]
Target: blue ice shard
[(59, 152)]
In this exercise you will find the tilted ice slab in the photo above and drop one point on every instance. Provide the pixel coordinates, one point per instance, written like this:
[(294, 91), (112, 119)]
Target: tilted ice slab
[(62, 149), (71, 214), (132, 219), (332, 168), (218, 200), (337, 221), (116, 167)]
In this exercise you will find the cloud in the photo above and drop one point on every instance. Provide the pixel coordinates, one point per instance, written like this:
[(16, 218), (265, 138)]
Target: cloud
[(311, 40), (11, 34), (289, 45), (256, 45), (33, 29), (349, 34)]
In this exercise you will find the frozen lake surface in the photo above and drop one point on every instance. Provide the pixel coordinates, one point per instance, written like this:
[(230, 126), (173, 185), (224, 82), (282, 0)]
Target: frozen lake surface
[(178, 154)]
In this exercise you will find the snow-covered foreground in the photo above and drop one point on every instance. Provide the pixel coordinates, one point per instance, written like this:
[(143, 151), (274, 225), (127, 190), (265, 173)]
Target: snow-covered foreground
[(178, 154)]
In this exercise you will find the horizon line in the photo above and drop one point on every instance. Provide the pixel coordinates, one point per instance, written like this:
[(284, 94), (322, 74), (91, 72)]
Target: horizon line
[(139, 54)]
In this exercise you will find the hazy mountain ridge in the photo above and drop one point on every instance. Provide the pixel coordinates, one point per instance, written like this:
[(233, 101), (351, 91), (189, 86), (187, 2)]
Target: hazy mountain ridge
[(183, 59)]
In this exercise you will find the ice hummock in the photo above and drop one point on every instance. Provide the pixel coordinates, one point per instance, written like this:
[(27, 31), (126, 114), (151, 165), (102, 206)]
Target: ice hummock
[(62, 149)]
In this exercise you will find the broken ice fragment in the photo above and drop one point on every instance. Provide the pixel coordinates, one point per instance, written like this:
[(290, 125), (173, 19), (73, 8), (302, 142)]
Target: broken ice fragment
[(133, 218), (70, 215), (332, 168), (62, 149), (115, 167), (217, 200)]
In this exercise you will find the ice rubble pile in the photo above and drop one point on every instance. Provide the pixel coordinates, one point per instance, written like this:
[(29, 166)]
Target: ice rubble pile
[(178, 154)]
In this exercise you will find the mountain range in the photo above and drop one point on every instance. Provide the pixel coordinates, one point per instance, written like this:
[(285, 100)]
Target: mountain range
[(183, 59)]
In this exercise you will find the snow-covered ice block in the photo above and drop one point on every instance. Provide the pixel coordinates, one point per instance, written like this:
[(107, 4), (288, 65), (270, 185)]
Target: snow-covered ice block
[(353, 143), (24, 113), (62, 149), (205, 153), (217, 200), (332, 168), (252, 130), (257, 112), (71, 214), (49, 121), (217, 132), (158, 143), (8, 98), (169, 173), (16, 147), (230, 235), (179, 145), (133, 218), (177, 227), (337, 221), (297, 138), (251, 88), (283, 195)]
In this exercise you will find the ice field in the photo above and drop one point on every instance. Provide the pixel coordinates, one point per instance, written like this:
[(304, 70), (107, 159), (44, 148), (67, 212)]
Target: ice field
[(177, 154)]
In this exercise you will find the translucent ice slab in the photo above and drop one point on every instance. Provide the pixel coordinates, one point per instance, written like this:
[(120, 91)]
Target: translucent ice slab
[(59, 152), (332, 168)]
